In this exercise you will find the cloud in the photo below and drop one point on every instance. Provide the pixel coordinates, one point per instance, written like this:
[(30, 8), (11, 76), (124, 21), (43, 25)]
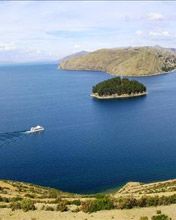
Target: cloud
[(7, 46), (139, 32), (76, 46), (155, 16), (159, 33), (53, 29)]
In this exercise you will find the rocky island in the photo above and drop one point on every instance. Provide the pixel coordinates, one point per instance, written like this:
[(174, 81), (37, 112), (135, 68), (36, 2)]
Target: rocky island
[(129, 61), (118, 88)]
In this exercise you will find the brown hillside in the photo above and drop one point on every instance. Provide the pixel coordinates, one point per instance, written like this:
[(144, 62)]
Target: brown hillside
[(130, 61)]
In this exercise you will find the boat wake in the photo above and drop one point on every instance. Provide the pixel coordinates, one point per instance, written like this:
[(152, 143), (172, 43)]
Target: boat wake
[(10, 137)]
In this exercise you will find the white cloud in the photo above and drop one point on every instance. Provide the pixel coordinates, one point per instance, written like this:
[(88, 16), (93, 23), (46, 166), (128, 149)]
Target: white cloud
[(139, 32), (159, 33), (76, 46), (41, 29), (155, 16), (7, 46)]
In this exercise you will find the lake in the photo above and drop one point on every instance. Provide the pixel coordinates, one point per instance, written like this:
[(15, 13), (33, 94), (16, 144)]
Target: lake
[(88, 145)]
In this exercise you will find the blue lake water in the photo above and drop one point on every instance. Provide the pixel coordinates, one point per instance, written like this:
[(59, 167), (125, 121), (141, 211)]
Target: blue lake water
[(89, 145)]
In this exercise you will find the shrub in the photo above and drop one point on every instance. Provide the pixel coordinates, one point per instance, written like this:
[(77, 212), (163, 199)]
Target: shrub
[(76, 210), (143, 218), (43, 207), (15, 205), (97, 205), (57, 200), (4, 199), (53, 193), (15, 199), (49, 208), (29, 195), (158, 211), (3, 206), (145, 201), (167, 68), (142, 202), (25, 205), (62, 206), (160, 217), (75, 202), (152, 201), (126, 203), (100, 196)]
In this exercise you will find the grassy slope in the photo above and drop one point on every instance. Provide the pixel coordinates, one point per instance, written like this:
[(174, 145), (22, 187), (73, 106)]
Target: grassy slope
[(125, 61), (43, 196)]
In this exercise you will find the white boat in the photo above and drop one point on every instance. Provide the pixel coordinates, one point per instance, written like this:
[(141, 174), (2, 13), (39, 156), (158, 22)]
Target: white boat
[(37, 128)]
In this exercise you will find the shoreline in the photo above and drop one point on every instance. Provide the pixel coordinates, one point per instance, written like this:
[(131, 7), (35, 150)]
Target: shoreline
[(124, 75), (115, 96), (108, 191), (111, 190), (143, 75)]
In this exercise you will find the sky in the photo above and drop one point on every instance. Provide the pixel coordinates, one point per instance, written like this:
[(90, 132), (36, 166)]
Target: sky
[(49, 30)]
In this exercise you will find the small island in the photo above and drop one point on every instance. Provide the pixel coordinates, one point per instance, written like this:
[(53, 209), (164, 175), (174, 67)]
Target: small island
[(118, 88)]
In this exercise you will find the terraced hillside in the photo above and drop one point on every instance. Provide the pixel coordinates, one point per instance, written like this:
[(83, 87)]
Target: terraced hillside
[(137, 189), (20, 200), (132, 61)]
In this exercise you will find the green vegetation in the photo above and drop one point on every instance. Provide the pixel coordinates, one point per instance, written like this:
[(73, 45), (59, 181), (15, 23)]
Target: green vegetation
[(30, 197), (98, 204), (3, 206), (118, 86), (156, 217), (7, 200), (160, 217), (75, 202), (162, 187), (144, 218), (49, 208), (25, 205), (145, 201), (62, 206), (53, 193), (166, 68), (106, 203)]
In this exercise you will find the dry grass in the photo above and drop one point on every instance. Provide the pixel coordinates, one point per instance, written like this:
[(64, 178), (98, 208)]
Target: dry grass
[(46, 202), (135, 214), (125, 61)]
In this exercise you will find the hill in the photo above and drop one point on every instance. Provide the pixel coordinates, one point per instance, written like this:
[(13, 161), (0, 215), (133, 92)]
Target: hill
[(118, 88), (19, 200), (78, 54), (131, 61)]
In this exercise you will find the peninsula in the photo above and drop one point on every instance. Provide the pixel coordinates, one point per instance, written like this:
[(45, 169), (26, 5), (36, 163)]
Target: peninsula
[(130, 61), (118, 88)]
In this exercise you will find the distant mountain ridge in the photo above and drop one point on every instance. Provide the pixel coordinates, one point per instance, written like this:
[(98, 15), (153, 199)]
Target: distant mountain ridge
[(78, 54), (130, 61)]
